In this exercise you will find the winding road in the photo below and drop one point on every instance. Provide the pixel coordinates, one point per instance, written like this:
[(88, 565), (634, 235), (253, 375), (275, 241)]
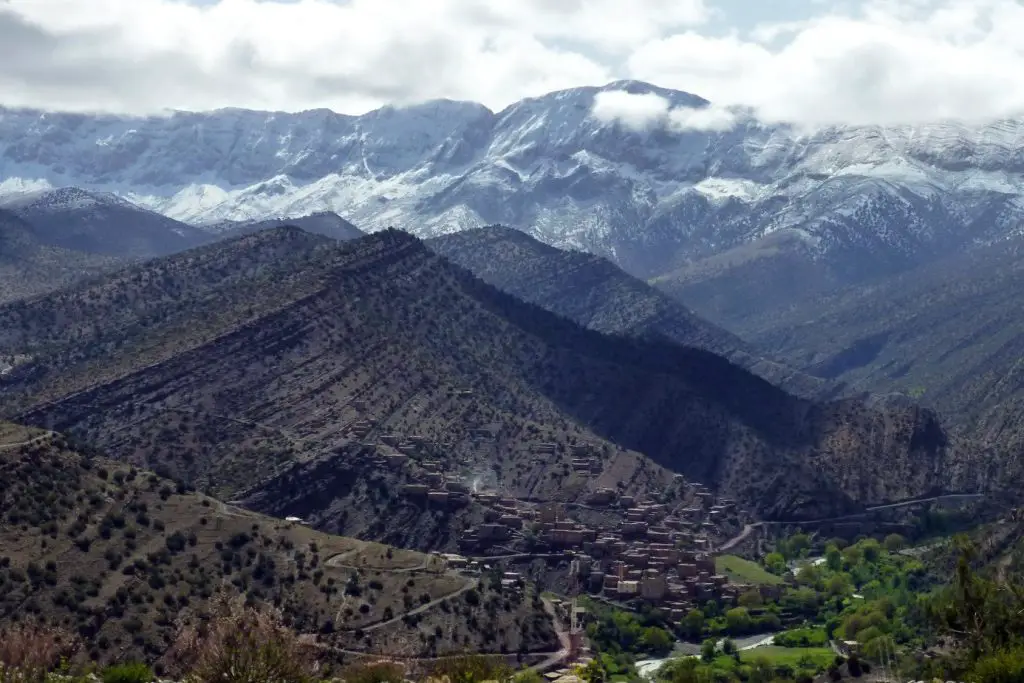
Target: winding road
[(562, 654), (739, 538), (20, 444), (471, 583)]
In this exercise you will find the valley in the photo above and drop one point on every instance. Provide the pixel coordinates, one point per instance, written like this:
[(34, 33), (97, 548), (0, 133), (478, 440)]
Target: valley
[(440, 391)]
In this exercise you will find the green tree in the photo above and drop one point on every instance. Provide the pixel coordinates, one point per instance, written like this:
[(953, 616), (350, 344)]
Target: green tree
[(684, 671), (1003, 666), (871, 549), (879, 647), (795, 546), (852, 556), (839, 584), (751, 598), (894, 542), (693, 624), (708, 650), (656, 640), (775, 563), (833, 558), (594, 672), (738, 620)]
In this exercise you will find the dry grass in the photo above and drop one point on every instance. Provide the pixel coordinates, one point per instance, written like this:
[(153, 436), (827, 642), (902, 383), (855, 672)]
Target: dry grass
[(470, 669), (242, 644), (377, 672), (28, 652)]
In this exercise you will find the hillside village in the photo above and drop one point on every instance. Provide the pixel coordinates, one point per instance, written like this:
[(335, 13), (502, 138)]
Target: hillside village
[(623, 548)]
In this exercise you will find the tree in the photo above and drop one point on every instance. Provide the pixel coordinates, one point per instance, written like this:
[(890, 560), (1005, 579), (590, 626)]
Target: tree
[(708, 650), (894, 542), (795, 546), (839, 584), (751, 598), (729, 648), (871, 549), (852, 556), (693, 624), (833, 558), (775, 563), (738, 620), (656, 640)]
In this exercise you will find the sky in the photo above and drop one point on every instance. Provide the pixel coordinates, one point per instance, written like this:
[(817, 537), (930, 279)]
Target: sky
[(880, 62)]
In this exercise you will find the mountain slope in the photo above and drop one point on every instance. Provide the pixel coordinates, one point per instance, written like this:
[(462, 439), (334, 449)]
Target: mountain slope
[(382, 337), (29, 266), (735, 221), (124, 558), (597, 294), (326, 223), (948, 333), (95, 223)]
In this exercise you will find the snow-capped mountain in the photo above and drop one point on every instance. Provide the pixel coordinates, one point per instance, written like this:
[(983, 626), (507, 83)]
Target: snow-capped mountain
[(100, 223), (789, 209)]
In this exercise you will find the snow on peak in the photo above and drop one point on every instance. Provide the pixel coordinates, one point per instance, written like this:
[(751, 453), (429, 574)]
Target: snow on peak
[(564, 165)]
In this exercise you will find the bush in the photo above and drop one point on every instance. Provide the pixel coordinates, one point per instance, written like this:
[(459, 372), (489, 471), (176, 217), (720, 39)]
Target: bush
[(243, 645), (379, 672), (802, 637), (28, 652), (1006, 666), (471, 669), (132, 672)]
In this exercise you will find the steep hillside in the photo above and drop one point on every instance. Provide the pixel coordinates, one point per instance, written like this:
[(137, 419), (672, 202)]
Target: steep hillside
[(29, 266), (739, 219), (326, 223), (124, 558), (596, 293), (101, 223), (380, 338), (948, 334)]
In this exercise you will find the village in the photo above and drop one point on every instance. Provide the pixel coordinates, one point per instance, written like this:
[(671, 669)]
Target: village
[(628, 550)]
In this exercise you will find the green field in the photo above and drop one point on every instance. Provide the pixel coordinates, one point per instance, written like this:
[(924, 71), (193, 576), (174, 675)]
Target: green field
[(744, 571), (796, 657)]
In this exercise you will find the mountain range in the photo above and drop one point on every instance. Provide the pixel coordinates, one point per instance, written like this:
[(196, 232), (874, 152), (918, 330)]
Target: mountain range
[(596, 293), (266, 361), (733, 220)]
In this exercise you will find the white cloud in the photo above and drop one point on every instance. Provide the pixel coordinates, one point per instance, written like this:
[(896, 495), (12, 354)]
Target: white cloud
[(876, 61), (144, 55), (643, 111), (713, 118), (894, 62), (636, 112)]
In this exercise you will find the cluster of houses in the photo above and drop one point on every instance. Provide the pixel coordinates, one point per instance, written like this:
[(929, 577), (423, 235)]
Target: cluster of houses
[(654, 551)]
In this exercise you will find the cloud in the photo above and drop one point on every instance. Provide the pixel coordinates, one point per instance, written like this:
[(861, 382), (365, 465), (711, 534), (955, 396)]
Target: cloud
[(637, 112), (713, 118), (146, 55), (643, 111), (894, 62), (865, 61)]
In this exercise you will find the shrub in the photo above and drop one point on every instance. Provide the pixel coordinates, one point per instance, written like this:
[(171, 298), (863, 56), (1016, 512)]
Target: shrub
[(243, 645), (132, 672), (471, 669), (1005, 666), (379, 672), (28, 652)]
